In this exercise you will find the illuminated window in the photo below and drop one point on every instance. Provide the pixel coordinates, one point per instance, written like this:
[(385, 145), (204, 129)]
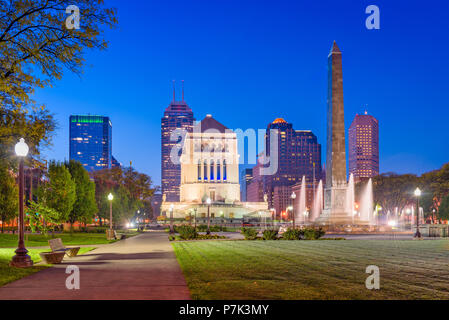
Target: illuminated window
[(218, 170), (225, 170), (212, 170)]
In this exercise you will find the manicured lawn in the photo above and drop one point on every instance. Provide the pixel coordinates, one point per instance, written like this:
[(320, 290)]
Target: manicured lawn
[(36, 240), (315, 269), (9, 274)]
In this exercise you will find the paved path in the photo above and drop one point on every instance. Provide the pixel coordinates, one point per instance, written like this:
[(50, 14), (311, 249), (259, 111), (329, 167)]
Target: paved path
[(142, 267)]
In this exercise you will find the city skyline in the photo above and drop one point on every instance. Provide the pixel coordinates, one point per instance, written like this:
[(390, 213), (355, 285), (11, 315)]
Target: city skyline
[(225, 78)]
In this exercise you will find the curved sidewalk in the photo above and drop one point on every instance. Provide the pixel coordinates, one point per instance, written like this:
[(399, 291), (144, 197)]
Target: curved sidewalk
[(143, 267)]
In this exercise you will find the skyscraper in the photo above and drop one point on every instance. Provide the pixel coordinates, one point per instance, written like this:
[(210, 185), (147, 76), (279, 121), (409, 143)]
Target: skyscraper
[(297, 152), (91, 141), (364, 147), (245, 179), (177, 115)]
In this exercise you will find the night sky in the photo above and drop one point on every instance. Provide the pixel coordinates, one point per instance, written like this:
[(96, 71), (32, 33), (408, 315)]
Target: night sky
[(249, 62)]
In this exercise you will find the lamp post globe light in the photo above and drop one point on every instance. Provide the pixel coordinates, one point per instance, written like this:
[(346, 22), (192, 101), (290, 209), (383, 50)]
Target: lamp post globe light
[(21, 259), (111, 232), (172, 229), (208, 201), (417, 195)]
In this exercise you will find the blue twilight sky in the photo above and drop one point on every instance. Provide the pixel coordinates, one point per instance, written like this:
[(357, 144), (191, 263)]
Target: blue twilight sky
[(249, 62)]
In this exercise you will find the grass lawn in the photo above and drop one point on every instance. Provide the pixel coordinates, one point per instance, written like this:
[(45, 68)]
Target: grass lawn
[(8, 240), (9, 274), (314, 269)]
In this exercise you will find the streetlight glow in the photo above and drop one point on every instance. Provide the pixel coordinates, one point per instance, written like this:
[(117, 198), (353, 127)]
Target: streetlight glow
[(110, 197), (21, 148), (293, 195), (208, 201), (418, 192)]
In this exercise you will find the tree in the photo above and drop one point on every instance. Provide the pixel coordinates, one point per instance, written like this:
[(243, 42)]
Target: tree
[(130, 188), (42, 218), (9, 197), (85, 205), (59, 193), (444, 208), (36, 126), (36, 47), (394, 191)]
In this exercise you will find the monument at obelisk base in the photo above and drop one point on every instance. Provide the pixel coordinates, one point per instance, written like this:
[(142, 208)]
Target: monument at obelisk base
[(337, 207)]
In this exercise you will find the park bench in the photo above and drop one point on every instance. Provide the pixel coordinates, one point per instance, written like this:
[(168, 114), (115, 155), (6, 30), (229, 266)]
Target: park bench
[(56, 245)]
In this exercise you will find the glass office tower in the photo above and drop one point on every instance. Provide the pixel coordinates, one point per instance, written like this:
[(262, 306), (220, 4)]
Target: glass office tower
[(91, 141)]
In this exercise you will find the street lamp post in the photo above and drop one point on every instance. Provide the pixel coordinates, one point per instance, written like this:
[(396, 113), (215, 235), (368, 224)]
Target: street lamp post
[(172, 230), (110, 198), (293, 196), (138, 220), (21, 259), (417, 195), (208, 201)]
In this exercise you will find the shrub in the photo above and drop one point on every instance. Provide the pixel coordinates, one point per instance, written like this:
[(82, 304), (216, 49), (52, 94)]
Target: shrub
[(292, 234), (187, 232), (202, 228), (249, 233), (217, 229), (313, 233), (270, 234), (210, 236), (95, 229)]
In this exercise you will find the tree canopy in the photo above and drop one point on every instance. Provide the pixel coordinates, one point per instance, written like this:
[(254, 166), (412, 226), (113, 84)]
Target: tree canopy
[(9, 198), (85, 206), (393, 190), (36, 47), (131, 190)]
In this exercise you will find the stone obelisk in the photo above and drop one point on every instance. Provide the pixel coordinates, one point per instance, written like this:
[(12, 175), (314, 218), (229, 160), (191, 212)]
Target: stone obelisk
[(336, 210)]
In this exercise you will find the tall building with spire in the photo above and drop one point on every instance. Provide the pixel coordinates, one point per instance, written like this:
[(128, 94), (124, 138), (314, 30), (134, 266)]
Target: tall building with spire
[(177, 121), (364, 147)]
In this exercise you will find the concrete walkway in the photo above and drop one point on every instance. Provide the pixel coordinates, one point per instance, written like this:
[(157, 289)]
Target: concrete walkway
[(142, 267)]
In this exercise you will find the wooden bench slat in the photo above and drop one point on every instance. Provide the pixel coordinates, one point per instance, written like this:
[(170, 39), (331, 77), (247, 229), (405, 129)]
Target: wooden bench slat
[(57, 245)]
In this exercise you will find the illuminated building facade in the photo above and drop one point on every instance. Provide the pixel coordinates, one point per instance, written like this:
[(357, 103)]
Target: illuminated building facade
[(91, 141), (210, 170), (298, 154), (178, 118), (246, 176), (364, 147)]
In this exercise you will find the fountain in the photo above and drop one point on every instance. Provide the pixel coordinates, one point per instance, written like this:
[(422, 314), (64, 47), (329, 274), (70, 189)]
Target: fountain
[(302, 199), (366, 204), (350, 198), (317, 202)]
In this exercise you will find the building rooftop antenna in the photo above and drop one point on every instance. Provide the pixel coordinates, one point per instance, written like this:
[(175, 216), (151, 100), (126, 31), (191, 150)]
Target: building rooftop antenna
[(182, 82)]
